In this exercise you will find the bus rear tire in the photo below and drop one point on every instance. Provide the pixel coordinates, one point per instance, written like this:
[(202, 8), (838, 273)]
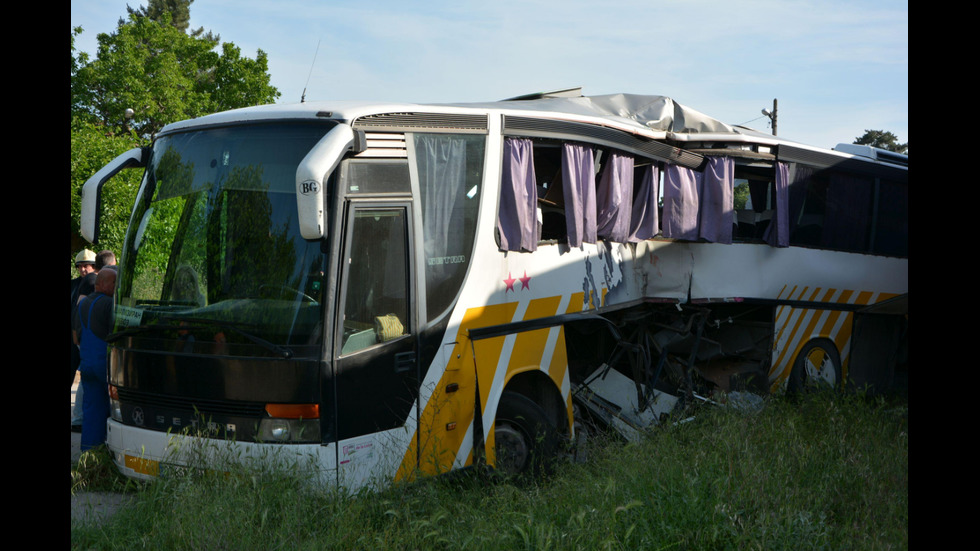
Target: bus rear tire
[(817, 366), (526, 443)]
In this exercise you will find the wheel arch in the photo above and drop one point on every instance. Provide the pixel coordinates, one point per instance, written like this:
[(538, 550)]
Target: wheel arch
[(538, 387), (798, 377)]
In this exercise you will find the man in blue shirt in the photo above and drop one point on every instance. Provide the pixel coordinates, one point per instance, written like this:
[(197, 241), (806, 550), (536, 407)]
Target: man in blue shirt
[(92, 325)]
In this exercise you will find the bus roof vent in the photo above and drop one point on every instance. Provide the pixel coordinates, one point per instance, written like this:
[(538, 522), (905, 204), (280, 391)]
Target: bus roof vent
[(857, 163), (432, 122), (875, 153), (380, 144)]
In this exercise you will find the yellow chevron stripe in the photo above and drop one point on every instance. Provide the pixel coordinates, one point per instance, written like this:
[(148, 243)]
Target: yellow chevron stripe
[(781, 291), (842, 340), (558, 371), (795, 318), (525, 355), (575, 304), (434, 448), (864, 297), (439, 447), (795, 327), (529, 344)]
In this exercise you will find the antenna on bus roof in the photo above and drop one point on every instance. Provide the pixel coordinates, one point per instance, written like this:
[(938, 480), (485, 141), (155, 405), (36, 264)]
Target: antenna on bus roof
[(302, 99), (566, 93)]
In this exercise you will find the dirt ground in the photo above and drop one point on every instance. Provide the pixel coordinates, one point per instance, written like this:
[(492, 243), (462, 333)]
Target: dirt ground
[(90, 506)]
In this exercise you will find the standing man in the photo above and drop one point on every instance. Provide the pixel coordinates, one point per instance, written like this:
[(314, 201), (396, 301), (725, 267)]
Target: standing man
[(92, 325), (86, 286), (103, 259), (85, 264)]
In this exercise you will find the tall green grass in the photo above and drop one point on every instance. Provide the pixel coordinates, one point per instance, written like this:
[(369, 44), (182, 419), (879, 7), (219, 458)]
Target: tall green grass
[(819, 472)]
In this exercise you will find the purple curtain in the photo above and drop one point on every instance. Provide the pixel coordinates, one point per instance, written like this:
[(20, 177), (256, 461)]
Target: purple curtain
[(777, 234), (517, 221), (681, 192), (578, 189), (645, 222), (717, 200), (615, 198)]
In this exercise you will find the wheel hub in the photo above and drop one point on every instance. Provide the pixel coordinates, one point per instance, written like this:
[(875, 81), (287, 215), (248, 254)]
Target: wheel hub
[(511, 448), (820, 369)]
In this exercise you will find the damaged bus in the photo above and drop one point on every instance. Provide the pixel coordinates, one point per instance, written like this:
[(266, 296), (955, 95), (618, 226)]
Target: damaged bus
[(377, 291)]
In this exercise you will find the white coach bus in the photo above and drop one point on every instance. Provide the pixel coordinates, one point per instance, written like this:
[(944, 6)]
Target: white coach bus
[(383, 290)]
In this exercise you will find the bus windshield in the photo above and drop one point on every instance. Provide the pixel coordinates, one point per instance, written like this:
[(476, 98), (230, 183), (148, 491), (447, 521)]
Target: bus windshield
[(214, 262)]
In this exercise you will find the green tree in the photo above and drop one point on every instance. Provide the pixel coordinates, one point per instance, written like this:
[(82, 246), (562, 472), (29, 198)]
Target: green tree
[(882, 139), (164, 75), (91, 148), (78, 92), (179, 11)]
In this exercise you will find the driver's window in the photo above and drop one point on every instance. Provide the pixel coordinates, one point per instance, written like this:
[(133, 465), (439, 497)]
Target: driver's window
[(376, 304)]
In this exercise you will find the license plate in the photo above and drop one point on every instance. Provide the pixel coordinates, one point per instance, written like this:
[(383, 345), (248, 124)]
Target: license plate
[(148, 467)]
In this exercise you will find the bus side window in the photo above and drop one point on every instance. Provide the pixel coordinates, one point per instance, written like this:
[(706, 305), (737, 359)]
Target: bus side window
[(831, 210), (449, 168), (551, 202), (556, 212), (754, 202), (891, 230)]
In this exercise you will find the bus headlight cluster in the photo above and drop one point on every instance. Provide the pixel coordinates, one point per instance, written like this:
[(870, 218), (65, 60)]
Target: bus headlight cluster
[(286, 431), (115, 409)]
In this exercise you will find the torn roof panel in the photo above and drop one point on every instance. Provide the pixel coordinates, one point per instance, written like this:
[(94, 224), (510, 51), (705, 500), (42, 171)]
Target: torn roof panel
[(649, 112)]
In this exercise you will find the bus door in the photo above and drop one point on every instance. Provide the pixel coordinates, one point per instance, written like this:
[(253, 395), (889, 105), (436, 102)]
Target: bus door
[(375, 368)]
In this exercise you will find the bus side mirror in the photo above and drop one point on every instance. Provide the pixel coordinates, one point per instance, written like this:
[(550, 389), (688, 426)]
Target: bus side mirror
[(92, 189), (312, 175)]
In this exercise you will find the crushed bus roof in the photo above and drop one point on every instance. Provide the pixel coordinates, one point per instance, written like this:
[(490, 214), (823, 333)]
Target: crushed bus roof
[(659, 114), (650, 116)]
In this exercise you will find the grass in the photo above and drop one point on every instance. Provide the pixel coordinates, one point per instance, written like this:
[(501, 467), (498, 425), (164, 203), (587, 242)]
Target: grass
[(818, 472), (95, 472)]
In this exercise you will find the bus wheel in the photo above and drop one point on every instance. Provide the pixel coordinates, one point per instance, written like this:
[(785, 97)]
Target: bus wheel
[(816, 366), (526, 442)]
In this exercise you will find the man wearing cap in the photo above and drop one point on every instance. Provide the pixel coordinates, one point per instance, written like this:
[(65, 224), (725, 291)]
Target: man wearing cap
[(85, 264)]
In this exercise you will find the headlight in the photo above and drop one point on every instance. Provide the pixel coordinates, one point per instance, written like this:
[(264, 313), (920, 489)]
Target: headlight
[(293, 431), (115, 409)]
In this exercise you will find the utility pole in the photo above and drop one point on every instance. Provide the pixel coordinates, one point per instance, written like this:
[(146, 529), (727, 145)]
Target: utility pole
[(772, 115)]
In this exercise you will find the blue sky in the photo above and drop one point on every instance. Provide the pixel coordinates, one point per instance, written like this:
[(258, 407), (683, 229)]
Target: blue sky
[(837, 67)]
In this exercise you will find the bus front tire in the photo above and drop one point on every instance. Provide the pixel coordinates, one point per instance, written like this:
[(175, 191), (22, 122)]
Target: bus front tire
[(525, 441), (817, 365)]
